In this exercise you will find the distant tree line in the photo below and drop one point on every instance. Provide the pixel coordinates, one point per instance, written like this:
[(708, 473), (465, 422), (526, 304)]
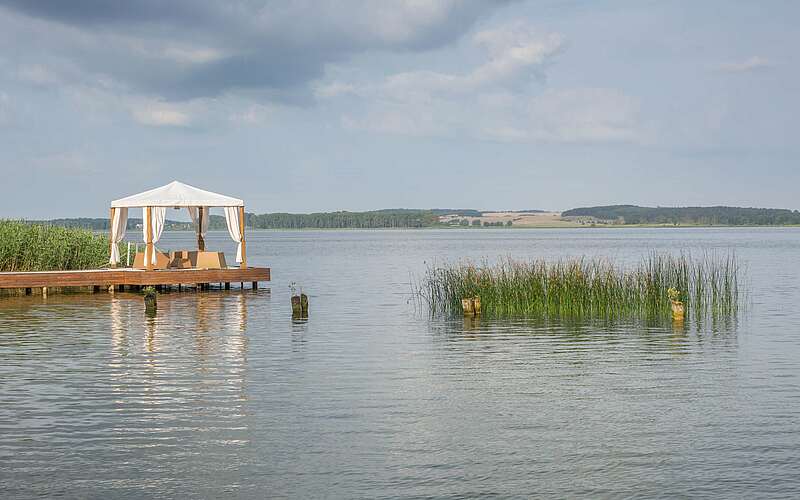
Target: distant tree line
[(724, 216), (412, 218), (338, 220), (102, 224), (398, 218), (463, 212)]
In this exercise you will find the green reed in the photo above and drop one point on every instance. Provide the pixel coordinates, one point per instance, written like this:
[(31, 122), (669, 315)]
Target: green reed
[(586, 287), (31, 247)]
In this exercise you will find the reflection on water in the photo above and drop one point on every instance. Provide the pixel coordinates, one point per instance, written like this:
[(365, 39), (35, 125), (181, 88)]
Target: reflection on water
[(118, 384), (223, 395)]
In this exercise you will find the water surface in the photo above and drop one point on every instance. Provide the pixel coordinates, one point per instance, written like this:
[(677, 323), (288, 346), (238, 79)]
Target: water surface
[(222, 395)]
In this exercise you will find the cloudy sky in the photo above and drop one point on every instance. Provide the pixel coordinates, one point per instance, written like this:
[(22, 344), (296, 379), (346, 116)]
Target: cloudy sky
[(317, 105)]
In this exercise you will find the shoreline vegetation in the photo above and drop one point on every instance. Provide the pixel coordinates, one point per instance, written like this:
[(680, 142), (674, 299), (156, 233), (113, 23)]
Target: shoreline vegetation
[(603, 216), (586, 287), (35, 247)]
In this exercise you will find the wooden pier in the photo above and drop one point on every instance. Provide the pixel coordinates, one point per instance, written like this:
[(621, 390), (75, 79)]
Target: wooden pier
[(133, 277)]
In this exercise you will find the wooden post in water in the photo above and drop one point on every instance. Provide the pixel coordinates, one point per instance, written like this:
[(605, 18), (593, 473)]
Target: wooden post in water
[(304, 304), (471, 306), (150, 301), (148, 228), (300, 306), (297, 308)]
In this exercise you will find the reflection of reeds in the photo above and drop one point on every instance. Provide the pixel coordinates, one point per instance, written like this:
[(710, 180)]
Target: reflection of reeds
[(586, 287)]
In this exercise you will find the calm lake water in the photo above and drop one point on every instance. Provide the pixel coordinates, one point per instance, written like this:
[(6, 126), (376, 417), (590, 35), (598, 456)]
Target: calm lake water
[(222, 395)]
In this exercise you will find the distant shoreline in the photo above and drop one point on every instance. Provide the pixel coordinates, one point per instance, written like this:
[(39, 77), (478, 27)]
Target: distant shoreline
[(586, 217), (511, 228)]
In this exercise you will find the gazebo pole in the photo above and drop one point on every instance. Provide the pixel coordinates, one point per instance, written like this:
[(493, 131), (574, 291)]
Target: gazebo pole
[(201, 243), (111, 234), (148, 228), (243, 265)]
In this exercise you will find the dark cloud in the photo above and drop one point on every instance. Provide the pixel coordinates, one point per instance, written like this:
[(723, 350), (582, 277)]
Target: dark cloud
[(185, 49), (90, 12)]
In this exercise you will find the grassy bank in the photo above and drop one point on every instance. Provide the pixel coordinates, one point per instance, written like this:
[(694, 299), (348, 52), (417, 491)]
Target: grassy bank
[(29, 247), (586, 287)]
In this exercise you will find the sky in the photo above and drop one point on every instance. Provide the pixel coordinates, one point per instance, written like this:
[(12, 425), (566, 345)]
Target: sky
[(323, 105)]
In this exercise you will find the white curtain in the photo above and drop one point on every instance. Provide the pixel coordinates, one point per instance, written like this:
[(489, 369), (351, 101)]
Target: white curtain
[(118, 226), (232, 218), (193, 213), (158, 214)]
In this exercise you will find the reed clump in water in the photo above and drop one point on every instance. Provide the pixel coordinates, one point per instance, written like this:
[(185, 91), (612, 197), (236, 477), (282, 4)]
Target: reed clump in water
[(31, 247), (586, 287)]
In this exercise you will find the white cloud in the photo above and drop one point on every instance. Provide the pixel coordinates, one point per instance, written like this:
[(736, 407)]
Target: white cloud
[(254, 114), (161, 115), (37, 74), (5, 109), (206, 48), (334, 89), (69, 162), (583, 115), (155, 48), (515, 52), (750, 64), (495, 100)]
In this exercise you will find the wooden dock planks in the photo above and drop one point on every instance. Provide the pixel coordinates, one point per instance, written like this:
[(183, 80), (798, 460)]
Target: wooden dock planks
[(107, 277)]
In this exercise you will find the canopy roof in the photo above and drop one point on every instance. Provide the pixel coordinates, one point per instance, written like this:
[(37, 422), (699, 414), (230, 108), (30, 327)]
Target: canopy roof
[(177, 194)]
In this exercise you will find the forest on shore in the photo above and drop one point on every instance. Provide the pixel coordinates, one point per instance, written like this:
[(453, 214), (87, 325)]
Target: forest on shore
[(700, 216), (414, 218)]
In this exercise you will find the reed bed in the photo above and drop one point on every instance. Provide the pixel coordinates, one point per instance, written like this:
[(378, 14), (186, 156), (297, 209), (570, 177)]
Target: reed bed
[(31, 247), (586, 287)]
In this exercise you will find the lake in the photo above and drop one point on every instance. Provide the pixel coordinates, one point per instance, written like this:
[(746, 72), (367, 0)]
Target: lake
[(222, 395)]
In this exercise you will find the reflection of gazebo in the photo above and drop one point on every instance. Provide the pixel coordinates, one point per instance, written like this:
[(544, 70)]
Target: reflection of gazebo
[(154, 204)]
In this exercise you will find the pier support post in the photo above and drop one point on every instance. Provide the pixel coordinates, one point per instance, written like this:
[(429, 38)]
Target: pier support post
[(227, 285), (44, 292), (255, 285)]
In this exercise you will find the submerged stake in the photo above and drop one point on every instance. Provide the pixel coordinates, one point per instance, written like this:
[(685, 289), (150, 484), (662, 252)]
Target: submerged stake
[(300, 305), (150, 300)]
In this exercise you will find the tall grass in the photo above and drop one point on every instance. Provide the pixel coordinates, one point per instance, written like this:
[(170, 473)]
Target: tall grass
[(586, 287), (29, 247)]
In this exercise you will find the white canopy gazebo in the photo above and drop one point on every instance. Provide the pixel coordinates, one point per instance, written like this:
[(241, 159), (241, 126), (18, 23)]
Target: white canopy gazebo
[(154, 204)]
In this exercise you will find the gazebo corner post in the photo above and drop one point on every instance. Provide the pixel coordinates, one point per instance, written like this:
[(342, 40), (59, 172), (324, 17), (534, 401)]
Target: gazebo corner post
[(111, 235), (201, 243), (243, 264), (148, 231)]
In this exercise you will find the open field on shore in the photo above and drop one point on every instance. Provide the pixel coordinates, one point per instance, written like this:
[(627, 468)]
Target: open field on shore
[(522, 219)]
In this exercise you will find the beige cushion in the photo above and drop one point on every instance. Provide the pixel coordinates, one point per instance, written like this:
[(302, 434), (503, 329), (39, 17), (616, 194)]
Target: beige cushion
[(211, 260), (187, 259), (162, 261)]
